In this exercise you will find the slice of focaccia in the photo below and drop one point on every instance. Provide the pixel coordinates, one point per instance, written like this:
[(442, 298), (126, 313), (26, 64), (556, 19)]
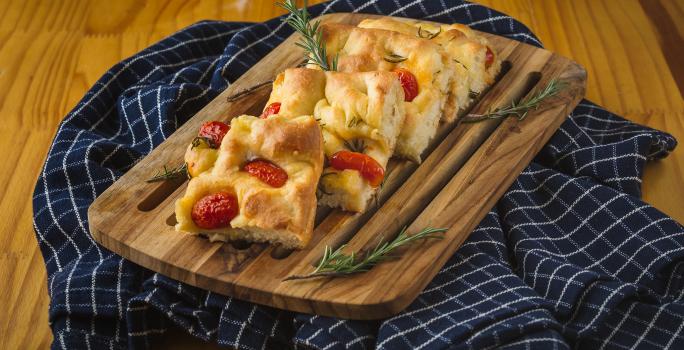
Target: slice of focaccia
[(422, 66), (262, 187), (475, 58), (361, 115)]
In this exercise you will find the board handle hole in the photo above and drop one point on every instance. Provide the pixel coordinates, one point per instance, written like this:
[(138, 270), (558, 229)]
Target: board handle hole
[(240, 244), (531, 81), (160, 193), (505, 68), (280, 253)]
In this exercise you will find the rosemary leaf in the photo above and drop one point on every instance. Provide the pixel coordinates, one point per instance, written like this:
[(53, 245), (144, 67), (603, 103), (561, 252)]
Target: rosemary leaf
[(354, 121), (426, 34), (394, 58), (355, 145), (168, 174), (462, 65), (312, 37), (519, 109), (200, 140), (336, 263)]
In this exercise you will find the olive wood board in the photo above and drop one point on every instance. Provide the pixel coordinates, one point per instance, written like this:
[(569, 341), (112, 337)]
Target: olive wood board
[(464, 172)]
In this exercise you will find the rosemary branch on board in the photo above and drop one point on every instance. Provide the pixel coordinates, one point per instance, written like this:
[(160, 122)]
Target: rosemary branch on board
[(335, 263), (168, 174), (520, 109), (247, 91), (312, 37)]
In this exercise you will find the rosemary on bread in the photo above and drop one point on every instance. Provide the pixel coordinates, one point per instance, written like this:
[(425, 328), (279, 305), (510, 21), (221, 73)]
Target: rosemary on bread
[(312, 37), (336, 263)]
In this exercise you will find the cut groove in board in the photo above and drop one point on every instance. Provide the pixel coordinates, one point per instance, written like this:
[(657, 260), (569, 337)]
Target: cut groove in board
[(463, 173), (160, 193)]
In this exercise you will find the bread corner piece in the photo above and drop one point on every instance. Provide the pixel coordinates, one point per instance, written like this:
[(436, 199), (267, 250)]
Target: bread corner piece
[(282, 215)]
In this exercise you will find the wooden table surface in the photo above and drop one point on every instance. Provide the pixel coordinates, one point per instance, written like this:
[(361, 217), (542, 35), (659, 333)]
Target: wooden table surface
[(51, 52)]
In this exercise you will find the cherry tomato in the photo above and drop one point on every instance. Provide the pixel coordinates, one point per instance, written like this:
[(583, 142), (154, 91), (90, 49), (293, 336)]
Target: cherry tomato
[(267, 172), (369, 168), (489, 57), (214, 131), (272, 109), (408, 82), (215, 210)]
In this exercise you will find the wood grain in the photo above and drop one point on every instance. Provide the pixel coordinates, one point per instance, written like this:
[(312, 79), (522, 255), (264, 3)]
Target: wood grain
[(100, 33), (454, 188)]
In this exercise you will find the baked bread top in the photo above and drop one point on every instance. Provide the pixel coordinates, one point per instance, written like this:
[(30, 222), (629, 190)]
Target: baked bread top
[(283, 214), (361, 49), (361, 112), (460, 41)]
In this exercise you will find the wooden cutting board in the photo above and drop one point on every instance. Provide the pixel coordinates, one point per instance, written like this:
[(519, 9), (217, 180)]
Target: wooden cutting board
[(465, 171)]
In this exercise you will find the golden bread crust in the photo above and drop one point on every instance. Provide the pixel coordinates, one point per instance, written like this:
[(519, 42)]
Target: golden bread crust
[(462, 44), (362, 49), (356, 107), (288, 87), (284, 215)]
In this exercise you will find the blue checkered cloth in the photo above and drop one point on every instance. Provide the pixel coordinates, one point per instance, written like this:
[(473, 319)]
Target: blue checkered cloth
[(570, 257)]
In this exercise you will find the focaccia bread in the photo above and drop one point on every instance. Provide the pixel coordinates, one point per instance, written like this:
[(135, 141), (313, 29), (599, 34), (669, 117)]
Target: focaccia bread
[(266, 207), (358, 112), (202, 152), (469, 50), (363, 50)]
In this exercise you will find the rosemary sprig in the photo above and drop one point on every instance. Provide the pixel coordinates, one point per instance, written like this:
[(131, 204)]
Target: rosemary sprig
[(247, 91), (522, 108), (335, 263), (355, 145), (354, 121), (461, 63), (312, 37), (168, 174), (426, 34), (394, 58)]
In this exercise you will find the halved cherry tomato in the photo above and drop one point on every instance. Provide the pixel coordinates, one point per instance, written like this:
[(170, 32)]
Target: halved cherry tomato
[(272, 109), (267, 172), (369, 168), (214, 131), (215, 210), (489, 57), (408, 82)]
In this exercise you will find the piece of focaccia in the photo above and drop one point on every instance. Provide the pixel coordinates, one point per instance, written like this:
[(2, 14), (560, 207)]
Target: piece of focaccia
[(361, 115), (471, 52), (423, 67), (262, 187)]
